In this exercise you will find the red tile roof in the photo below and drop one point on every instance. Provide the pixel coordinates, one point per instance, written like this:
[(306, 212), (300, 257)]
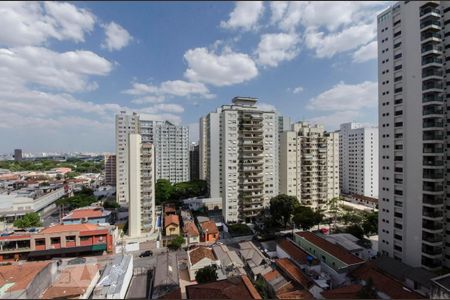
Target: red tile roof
[(333, 249), (230, 288), (269, 276), (69, 227), (199, 253), (175, 294), (72, 282), (85, 213), (294, 251), (294, 272), (171, 219), (296, 294), (190, 229), (383, 282), (209, 226), (21, 275), (346, 292)]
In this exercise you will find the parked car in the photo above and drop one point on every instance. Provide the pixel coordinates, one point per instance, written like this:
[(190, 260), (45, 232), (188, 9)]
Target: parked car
[(146, 253)]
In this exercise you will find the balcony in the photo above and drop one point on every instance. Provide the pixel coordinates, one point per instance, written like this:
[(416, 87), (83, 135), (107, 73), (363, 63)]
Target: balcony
[(432, 226), (433, 187), (433, 123), (429, 11), (431, 239), (431, 36), (431, 48), (431, 264), (435, 174), (433, 149), (436, 135), (432, 251), (434, 215), (431, 60), (431, 22), (432, 72), (433, 200), (433, 97), (432, 84)]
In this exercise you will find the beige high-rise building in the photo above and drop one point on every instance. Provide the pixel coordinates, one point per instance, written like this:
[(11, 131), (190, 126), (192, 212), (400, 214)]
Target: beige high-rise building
[(309, 164), (414, 194), (238, 157)]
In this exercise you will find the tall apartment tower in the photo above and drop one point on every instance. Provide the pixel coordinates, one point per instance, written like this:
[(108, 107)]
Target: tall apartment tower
[(309, 164), (412, 127), (194, 161), (171, 148), (238, 157), (110, 169), (125, 125), (171, 144), (358, 160)]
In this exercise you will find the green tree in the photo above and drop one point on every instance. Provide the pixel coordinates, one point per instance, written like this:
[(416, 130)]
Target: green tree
[(355, 230), (367, 291), (305, 217), (370, 223), (28, 220), (334, 208), (282, 207), (176, 243), (206, 274), (109, 204), (350, 218), (163, 191)]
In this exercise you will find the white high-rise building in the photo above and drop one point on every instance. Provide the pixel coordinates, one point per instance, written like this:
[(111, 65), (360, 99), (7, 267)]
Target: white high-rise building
[(238, 157), (413, 39), (309, 164), (171, 148), (358, 160), (171, 144)]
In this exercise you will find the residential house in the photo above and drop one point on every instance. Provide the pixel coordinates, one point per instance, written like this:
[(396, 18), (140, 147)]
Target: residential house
[(191, 233), (335, 259), (254, 260), (169, 209), (210, 233), (352, 244), (291, 271), (93, 215), (386, 286), (238, 287), (287, 248), (74, 282), (280, 288), (229, 260), (199, 258), (171, 225), (345, 292)]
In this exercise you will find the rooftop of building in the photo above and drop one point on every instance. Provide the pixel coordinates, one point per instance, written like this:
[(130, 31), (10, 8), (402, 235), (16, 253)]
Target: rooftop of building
[(239, 287), (227, 257), (16, 277), (171, 219), (72, 282), (87, 212), (294, 272), (251, 254), (200, 253), (190, 229), (346, 240), (335, 250), (346, 292), (443, 281), (294, 251), (113, 275), (365, 198), (402, 271), (383, 282), (209, 227), (60, 228)]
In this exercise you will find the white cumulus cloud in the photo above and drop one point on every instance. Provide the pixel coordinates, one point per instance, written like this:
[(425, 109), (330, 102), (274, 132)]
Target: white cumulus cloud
[(116, 38), (32, 23), (245, 15), (223, 69), (343, 97), (275, 48), (366, 52)]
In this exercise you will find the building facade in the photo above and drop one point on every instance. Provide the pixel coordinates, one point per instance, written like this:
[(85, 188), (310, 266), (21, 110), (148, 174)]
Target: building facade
[(412, 126), (17, 154), (110, 170), (238, 157), (309, 164), (194, 162), (358, 160)]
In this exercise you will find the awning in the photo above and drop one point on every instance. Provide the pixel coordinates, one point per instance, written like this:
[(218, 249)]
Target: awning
[(98, 247)]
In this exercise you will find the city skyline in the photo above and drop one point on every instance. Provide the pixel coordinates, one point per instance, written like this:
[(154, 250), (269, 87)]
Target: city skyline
[(97, 59)]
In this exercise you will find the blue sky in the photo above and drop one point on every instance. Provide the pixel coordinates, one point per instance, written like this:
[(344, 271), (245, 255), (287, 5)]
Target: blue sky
[(68, 67)]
